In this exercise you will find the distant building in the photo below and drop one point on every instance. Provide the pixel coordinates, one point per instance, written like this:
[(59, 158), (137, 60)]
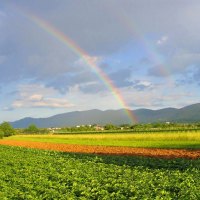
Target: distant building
[(99, 128), (52, 129)]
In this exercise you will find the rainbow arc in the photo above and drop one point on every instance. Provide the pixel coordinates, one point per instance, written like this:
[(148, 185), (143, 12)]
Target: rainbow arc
[(67, 41)]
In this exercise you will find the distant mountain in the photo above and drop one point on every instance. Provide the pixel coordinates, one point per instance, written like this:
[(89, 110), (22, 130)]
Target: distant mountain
[(186, 114)]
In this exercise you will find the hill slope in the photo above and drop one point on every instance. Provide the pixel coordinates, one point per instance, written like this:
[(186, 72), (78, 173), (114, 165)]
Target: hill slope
[(186, 114)]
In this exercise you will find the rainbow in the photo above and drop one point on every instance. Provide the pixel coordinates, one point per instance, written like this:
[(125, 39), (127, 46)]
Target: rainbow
[(149, 48), (67, 41)]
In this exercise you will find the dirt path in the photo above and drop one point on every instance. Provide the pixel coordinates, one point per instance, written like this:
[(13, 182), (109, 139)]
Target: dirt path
[(150, 152)]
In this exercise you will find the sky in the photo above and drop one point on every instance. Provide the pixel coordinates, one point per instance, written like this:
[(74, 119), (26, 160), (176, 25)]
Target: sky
[(59, 56)]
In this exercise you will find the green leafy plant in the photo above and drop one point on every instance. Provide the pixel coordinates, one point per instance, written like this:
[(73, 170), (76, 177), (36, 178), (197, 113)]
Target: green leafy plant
[(32, 128), (1, 134), (38, 174), (7, 129)]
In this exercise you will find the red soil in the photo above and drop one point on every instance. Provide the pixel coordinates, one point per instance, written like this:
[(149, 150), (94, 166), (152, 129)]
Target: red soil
[(150, 152)]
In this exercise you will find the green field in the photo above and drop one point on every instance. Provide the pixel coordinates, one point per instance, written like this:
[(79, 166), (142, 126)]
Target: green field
[(152, 140), (29, 174)]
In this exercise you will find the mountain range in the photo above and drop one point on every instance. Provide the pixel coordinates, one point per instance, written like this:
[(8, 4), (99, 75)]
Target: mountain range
[(186, 114)]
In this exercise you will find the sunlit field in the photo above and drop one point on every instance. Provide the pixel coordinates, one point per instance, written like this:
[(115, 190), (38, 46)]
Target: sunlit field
[(38, 174), (151, 140), (47, 174)]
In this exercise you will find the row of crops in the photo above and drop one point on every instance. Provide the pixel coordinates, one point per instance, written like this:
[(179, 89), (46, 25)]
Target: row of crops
[(149, 140), (37, 174), (60, 132)]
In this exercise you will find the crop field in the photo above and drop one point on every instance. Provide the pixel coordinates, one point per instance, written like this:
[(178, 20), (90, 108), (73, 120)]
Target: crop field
[(39, 174), (71, 167), (178, 140)]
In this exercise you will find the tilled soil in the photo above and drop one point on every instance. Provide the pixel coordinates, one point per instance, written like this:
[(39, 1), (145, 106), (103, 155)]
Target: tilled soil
[(107, 150)]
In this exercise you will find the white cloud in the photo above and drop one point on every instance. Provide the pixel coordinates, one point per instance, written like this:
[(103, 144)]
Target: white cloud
[(37, 96), (141, 85), (162, 40), (161, 96), (41, 103)]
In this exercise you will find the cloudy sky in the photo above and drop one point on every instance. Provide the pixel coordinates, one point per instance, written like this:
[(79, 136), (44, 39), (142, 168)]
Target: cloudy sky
[(59, 56)]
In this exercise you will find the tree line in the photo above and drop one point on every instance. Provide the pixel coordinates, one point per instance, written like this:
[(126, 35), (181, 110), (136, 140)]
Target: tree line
[(7, 130)]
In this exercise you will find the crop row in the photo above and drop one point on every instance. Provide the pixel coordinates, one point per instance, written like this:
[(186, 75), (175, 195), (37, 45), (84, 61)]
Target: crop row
[(158, 140), (37, 174), (59, 132)]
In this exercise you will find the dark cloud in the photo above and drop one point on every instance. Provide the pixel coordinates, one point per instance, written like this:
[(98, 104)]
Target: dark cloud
[(167, 31), (141, 85), (178, 64), (191, 76), (121, 78), (99, 27), (145, 61), (92, 88), (196, 76), (63, 82), (158, 71)]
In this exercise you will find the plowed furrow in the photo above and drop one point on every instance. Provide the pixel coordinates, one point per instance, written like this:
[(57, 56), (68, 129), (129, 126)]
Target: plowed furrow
[(150, 152)]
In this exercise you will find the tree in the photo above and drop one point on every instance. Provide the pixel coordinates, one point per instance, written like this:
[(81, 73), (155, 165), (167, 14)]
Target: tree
[(32, 128), (109, 127), (7, 129), (1, 134), (125, 126)]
